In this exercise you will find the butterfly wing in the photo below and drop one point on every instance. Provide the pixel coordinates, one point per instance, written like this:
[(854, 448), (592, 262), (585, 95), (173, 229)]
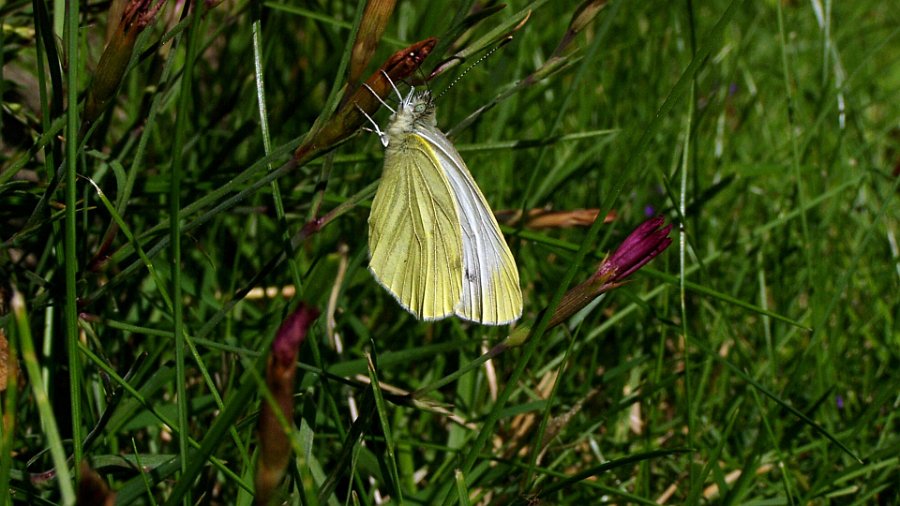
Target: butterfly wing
[(415, 243), (490, 284)]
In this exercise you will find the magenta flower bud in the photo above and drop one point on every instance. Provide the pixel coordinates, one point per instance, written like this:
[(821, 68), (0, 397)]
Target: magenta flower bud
[(274, 445), (292, 333), (644, 244)]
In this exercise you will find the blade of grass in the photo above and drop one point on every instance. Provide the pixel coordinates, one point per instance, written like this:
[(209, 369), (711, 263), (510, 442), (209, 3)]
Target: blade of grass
[(606, 466), (71, 226), (48, 419), (686, 167), (175, 175), (461, 490), (381, 409)]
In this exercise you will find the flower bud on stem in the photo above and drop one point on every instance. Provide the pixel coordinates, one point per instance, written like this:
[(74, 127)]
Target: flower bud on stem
[(274, 446)]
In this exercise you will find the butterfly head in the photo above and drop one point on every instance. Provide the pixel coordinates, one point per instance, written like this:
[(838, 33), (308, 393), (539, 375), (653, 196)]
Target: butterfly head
[(420, 105), (415, 110)]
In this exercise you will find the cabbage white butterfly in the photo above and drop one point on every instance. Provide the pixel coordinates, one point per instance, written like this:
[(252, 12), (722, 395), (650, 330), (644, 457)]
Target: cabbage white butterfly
[(434, 243)]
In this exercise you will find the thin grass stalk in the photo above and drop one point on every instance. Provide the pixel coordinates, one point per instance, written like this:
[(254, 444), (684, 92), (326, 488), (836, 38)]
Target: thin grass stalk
[(181, 123), (278, 202), (686, 168), (259, 76), (71, 224), (384, 422), (795, 169), (54, 64), (763, 283), (39, 390), (682, 267), (46, 118), (599, 469)]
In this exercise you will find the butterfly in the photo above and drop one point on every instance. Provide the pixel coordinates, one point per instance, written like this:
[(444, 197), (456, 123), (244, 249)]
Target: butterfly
[(434, 243)]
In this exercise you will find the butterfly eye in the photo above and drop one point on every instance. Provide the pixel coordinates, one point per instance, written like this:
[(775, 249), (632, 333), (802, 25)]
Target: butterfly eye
[(419, 108)]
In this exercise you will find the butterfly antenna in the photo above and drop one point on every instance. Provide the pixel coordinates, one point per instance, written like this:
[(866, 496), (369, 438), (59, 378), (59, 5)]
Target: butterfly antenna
[(476, 62), (381, 135), (386, 76), (378, 98)]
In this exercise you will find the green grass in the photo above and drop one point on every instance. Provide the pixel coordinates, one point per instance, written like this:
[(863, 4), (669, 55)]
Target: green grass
[(754, 362)]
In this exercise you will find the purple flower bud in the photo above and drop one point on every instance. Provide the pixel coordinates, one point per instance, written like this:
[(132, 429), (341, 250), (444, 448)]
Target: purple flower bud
[(274, 445), (292, 333), (644, 244)]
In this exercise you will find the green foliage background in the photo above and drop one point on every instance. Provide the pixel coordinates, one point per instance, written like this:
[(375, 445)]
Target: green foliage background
[(767, 131)]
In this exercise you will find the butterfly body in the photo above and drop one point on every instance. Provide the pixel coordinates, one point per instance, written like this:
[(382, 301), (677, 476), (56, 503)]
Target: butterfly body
[(434, 243)]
